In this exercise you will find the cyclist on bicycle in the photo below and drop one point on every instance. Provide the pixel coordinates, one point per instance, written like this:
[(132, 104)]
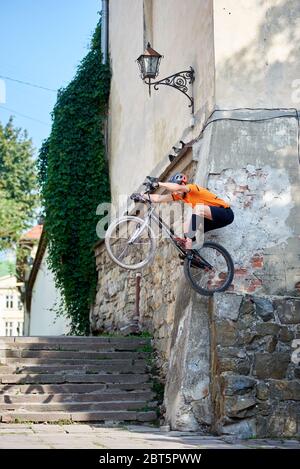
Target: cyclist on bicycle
[(206, 206)]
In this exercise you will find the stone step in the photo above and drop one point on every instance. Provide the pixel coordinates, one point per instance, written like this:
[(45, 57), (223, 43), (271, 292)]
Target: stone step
[(75, 406), (104, 396), (73, 343), (22, 361), (72, 378), (45, 354), (75, 388), (101, 416), (105, 366)]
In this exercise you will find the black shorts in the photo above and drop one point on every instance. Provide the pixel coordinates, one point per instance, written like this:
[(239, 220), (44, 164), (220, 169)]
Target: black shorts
[(220, 217)]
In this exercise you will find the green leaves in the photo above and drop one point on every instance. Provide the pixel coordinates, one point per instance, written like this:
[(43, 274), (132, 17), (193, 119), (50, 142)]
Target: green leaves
[(18, 197), (73, 178)]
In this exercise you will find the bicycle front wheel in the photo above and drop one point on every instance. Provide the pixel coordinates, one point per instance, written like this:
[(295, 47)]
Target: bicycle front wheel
[(210, 270), (130, 243)]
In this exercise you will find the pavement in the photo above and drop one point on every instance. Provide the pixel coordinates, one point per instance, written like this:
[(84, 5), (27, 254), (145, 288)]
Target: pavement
[(93, 436)]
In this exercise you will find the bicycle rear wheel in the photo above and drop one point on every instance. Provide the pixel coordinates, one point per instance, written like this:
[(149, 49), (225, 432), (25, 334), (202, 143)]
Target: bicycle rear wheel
[(130, 244), (210, 269)]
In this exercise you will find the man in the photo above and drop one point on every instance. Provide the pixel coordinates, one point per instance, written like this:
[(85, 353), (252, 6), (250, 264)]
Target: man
[(206, 206)]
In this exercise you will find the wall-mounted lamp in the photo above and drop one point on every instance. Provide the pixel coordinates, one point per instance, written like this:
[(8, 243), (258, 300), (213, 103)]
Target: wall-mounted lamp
[(149, 66)]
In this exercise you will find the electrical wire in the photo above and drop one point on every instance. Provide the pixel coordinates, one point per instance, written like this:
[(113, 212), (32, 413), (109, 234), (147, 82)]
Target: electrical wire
[(27, 83), (23, 115), (264, 119)]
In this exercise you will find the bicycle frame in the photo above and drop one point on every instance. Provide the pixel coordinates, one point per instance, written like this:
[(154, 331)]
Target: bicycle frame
[(162, 225), (171, 235)]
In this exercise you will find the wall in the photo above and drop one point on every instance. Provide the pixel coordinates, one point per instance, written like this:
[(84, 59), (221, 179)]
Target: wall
[(255, 166), (256, 52), (142, 130), (42, 320), (255, 378), (234, 366)]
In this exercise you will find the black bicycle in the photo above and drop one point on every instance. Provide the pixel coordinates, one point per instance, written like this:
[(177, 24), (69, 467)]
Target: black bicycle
[(131, 243)]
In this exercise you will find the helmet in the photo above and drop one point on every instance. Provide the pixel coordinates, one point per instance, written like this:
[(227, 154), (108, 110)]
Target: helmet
[(178, 178)]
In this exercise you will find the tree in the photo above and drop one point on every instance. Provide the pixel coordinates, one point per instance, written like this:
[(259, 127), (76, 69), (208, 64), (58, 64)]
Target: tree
[(18, 196), (73, 177)]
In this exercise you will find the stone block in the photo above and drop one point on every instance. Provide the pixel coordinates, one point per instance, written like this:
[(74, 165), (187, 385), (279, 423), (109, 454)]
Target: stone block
[(264, 308), (238, 365), (226, 332), (267, 328), (288, 310), (237, 384), (262, 390), (243, 429), (285, 390), (235, 405), (271, 365), (227, 306), (285, 334)]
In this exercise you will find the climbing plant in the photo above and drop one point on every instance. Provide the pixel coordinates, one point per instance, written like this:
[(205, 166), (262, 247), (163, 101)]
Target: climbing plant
[(73, 177)]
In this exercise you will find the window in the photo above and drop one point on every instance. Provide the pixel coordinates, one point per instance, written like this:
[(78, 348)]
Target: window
[(20, 328), (9, 301), (8, 328), (20, 305)]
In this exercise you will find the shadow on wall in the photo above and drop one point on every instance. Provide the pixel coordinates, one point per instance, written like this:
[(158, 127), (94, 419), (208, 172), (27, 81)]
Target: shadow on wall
[(266, 69)]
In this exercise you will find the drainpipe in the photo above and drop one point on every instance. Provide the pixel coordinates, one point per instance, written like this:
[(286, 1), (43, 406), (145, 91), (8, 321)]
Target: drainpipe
[(104, 31)]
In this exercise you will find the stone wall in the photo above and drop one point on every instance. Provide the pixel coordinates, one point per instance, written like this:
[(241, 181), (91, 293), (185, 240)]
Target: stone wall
[(233, 366), (255, 383)]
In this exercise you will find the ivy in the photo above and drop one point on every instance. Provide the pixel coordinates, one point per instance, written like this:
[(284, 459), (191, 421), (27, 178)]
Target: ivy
[(73, 177)]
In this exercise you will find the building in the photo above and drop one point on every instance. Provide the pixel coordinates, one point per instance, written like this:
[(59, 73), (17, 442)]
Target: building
[(225, 361), (42, 299), (11, 307)]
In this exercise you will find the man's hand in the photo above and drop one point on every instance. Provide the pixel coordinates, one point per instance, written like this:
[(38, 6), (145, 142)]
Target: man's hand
[(153, 181), (137, 197)]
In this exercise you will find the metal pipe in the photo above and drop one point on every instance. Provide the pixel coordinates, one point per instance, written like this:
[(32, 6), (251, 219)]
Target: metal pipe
[(104, 31), (137, 297)]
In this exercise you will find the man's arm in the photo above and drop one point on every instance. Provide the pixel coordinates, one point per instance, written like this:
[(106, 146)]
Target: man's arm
[(173, 187), (157, 198)]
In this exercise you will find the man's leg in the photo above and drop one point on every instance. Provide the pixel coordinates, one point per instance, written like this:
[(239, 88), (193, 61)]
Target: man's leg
[(200, 213)]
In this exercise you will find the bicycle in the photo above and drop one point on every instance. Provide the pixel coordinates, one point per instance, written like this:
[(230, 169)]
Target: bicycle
[(131, 243)]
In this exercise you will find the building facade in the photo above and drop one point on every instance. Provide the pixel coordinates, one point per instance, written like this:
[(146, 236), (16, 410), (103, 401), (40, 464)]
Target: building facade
[(43, 299), (243, 144), (11, 307)]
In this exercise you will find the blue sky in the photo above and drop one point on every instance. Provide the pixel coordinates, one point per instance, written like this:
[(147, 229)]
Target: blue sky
[(42, 42)]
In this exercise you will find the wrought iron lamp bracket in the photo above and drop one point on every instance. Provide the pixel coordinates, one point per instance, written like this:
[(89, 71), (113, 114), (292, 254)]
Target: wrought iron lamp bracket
[(179, 81)]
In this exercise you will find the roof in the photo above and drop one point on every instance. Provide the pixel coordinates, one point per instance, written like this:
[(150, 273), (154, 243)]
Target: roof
[(33, 233)]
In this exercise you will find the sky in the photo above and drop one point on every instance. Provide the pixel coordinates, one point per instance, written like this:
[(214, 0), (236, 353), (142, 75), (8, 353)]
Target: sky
[(41, 42)]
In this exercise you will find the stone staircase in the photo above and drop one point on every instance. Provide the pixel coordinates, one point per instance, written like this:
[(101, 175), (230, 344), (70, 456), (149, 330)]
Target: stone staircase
[(75, 379)]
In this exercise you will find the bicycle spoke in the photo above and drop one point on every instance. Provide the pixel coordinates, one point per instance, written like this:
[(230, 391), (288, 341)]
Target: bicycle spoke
[(209, 279)]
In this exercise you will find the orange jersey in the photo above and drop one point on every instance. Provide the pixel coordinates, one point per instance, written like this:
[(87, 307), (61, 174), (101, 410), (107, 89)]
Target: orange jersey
[(199, 195)]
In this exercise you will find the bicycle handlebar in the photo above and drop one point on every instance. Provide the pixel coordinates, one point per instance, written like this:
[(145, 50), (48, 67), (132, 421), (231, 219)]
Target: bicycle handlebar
[(151, 184)]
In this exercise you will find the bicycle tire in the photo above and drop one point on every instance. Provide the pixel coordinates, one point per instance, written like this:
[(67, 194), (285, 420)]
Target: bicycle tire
[(229, 277), (108, 235)]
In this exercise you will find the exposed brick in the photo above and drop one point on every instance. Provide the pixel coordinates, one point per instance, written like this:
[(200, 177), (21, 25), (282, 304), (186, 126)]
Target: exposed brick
[(241, 271), (257, 261), (254, 284)]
